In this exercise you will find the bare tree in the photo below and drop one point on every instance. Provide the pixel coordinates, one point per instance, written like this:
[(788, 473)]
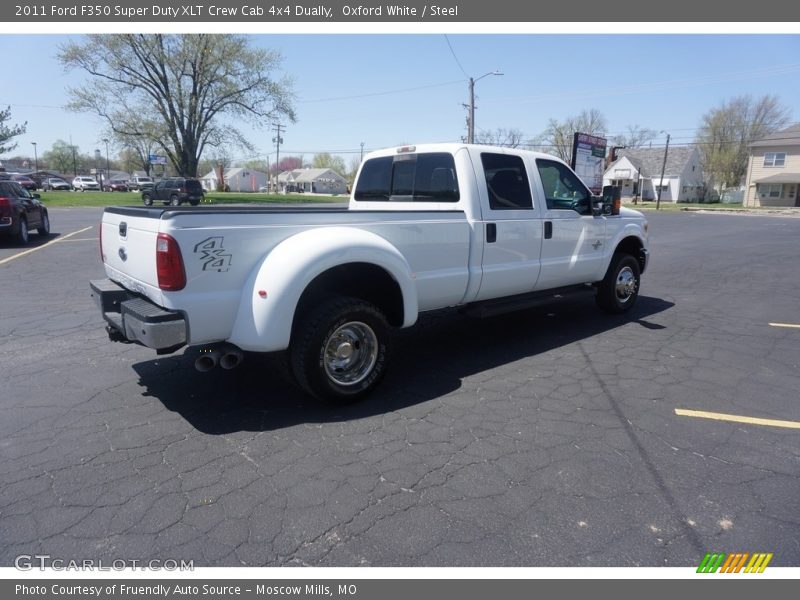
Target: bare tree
[(635, 137), (510, 138), (187, 82), (557, 138), (726, 132)]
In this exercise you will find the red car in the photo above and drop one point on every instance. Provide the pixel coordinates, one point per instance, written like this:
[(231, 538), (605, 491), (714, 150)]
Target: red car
[(26, 182), (21, 211), (116, 185)]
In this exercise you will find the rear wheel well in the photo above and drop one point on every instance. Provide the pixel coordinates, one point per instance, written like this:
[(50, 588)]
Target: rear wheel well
[(358, 280), (633, 246)]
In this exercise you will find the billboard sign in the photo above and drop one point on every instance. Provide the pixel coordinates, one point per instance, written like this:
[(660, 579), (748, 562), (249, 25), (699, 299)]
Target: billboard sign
[(155, 159), (588, 160)]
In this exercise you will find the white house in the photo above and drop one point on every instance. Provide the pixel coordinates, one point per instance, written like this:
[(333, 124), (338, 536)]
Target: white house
[(314, 181), (237, 179), (638, 172)]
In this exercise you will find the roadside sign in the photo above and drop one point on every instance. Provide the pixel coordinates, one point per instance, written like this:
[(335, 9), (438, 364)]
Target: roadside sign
[(588, 160), (156, 159)]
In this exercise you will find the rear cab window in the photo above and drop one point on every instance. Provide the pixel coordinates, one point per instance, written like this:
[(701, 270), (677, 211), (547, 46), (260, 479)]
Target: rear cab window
[(506, 182), (423, 177)]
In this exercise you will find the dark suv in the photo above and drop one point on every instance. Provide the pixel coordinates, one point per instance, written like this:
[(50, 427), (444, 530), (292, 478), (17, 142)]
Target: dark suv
[(21, 211), (174, 191)]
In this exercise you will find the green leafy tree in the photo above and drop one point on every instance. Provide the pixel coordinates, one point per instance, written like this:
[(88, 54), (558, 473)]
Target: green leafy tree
[(193, 85), (62, 157), (9, 132), (726, 132), (325, 160)]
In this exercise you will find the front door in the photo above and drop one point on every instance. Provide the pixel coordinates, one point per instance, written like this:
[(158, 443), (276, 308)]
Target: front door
[(574, 239)]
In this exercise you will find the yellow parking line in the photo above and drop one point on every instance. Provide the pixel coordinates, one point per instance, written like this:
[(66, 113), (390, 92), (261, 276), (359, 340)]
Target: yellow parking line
[(77, 240), (59, 239), (789, 325), (737, 418)]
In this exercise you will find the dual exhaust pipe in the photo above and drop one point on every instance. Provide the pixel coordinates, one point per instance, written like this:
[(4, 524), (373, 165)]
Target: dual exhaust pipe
[(226, 356)]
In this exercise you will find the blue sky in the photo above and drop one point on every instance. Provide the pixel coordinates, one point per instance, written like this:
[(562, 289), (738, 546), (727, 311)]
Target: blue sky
[(386, 90)]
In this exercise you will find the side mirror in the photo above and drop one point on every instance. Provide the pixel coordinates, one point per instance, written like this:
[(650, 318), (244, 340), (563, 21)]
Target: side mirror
[(609, 203), (37, 196)]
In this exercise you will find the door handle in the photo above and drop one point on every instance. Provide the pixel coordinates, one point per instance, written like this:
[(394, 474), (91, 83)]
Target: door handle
[(548, 230), (491, 233)]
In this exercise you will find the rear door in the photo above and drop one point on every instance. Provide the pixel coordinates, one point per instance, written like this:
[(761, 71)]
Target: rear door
[(574, 239), (512, 233)]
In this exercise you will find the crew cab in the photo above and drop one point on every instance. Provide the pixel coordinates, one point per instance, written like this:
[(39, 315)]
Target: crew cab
[(427, 227)]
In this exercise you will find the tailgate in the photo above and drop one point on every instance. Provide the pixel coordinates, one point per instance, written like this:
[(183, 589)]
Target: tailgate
[(129, 249)]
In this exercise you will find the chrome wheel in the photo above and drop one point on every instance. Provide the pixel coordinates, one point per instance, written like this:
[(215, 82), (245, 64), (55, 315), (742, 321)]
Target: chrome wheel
[(350, 353), (625, 286)]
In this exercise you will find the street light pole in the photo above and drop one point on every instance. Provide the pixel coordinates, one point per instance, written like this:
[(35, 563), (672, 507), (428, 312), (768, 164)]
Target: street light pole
[(108, 170), (471, 128), (35, 156), (663, 168)]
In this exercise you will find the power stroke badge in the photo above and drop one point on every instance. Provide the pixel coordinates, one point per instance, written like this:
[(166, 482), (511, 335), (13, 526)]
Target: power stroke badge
[(213, 254)]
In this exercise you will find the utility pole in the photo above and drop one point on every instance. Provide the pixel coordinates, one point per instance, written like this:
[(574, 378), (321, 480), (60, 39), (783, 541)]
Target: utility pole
[(361, 158), (278, 140), (663, 168), (471, 128), (35, 156)]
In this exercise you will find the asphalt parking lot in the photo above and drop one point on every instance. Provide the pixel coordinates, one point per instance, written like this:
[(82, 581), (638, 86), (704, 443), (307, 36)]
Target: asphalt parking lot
[(543, 438)]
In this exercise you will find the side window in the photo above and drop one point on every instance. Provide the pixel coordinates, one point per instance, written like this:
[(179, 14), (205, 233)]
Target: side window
[(506, 182), (562, 188), (427, 177)]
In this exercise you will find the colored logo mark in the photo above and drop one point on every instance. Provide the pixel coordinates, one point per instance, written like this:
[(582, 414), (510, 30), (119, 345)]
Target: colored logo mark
[(735, 563)]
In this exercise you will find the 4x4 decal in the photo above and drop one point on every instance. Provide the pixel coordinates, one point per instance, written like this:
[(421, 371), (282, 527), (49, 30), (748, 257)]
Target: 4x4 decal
[(213, 255)]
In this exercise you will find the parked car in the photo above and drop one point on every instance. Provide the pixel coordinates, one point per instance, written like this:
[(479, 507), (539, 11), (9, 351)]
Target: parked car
[(174, 191), (82, 184), (55, 183), (140, 183), (116, 185), (26, 182), (21, 211)]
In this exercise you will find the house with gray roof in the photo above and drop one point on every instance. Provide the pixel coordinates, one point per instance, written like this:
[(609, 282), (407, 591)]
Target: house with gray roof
[(314, 181), (638, 172), (773, 170)]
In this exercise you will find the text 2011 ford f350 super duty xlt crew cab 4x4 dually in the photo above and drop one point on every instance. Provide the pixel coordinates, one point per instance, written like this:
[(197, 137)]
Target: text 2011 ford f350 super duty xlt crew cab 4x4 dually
[(427, 227)]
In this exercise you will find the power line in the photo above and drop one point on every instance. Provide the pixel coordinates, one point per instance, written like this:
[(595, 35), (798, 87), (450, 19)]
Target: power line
[(453, 52), (386, 93)]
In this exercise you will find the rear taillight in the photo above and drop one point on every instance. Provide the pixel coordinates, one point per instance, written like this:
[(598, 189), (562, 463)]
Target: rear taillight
[(5, 210), (169, 264)]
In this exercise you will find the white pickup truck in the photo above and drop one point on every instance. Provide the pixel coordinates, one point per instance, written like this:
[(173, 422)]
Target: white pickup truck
[(427, 227)]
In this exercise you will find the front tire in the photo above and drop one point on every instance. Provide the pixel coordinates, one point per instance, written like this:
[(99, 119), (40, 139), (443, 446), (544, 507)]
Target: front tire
[(340, 350), (147, 199), (618, 291)]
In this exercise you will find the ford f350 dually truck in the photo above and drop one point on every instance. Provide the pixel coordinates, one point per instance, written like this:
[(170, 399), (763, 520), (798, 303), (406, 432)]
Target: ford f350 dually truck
[(427, 227)]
